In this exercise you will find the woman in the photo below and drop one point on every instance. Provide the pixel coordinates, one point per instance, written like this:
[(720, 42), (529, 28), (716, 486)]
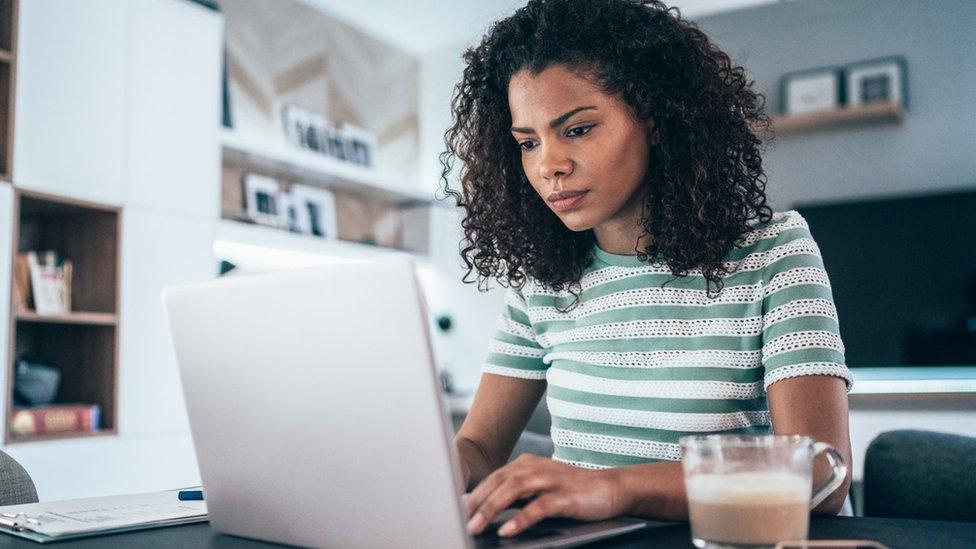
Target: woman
[(612, 180)]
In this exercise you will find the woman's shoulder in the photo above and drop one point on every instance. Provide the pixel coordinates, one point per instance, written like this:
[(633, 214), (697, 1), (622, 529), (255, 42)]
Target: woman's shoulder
[(781, 228)]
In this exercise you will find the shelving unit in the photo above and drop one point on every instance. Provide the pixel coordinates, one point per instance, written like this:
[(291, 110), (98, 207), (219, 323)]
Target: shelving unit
[(293, 164), (878, 113), (8, 71), (363, 198), (83, 343)]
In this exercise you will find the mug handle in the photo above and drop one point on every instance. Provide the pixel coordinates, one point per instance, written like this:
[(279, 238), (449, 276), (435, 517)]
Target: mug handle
[(837, 475)]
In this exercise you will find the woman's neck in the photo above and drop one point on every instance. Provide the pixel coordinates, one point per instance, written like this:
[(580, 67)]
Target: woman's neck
[(620, 234)]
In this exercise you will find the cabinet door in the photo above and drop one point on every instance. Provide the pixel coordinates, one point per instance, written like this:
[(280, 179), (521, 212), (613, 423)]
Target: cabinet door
[(68, 134), (157, 251), (173, 112)]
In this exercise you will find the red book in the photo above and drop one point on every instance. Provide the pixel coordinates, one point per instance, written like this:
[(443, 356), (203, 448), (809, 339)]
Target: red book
[(74, 418)]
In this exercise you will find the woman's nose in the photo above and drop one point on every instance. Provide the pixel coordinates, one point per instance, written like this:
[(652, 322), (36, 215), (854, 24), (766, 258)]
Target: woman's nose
[(554, 163)]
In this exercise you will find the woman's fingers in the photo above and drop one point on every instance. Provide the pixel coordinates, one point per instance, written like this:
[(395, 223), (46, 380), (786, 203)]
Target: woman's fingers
[(492, 481), (485, 487), (514, 488), (549, 505)]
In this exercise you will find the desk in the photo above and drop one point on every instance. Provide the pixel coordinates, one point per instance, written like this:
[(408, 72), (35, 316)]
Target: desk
[(895, 533)]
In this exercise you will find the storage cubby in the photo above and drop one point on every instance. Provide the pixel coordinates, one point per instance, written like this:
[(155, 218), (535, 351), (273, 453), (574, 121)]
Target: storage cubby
[(6, 111), (83, 342), (7, 24), (8, 53)]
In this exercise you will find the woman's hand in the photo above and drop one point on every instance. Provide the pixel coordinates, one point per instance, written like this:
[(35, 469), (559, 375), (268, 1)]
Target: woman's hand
[(553, 488)]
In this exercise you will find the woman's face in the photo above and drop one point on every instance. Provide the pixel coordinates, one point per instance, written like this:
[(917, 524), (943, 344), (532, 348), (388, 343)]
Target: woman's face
[(581, 149)]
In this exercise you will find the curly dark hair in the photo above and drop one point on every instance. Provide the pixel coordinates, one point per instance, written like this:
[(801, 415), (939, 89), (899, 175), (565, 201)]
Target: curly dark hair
[(704, 179)]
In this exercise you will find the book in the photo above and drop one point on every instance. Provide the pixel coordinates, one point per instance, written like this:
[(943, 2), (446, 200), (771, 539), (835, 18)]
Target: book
[(75, 418), (22, 298), (59, 520), (50, 282)]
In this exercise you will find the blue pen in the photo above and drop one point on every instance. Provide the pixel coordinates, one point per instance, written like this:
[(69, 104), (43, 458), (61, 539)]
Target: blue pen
[(191, 495)]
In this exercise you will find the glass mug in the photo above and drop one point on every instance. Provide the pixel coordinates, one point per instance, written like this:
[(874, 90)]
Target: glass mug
[(753, 490)]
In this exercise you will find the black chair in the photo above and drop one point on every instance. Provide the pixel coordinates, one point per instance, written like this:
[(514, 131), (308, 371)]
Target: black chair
[(16, 486), (920, 475)]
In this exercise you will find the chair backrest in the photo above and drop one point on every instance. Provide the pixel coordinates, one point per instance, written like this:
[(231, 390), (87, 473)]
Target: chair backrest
[(920, 475), (16, 486)]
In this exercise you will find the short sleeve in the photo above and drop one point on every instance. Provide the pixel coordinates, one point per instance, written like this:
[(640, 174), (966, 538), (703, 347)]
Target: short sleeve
[(514, 351), (800, 328)]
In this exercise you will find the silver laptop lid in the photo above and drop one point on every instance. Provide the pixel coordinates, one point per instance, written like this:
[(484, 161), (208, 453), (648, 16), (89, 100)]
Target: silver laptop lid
[(314, 407)]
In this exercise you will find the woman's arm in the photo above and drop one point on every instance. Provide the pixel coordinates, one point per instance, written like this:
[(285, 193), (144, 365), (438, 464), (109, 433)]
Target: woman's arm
[(815, 406), (502, 407)]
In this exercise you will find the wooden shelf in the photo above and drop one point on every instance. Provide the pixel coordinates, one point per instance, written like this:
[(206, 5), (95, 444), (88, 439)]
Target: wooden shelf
[(850, 116), (74, 317), (293, 164), (276, 248), (22, 439)]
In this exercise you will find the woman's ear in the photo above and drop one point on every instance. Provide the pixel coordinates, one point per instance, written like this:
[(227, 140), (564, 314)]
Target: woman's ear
[(653, 137)]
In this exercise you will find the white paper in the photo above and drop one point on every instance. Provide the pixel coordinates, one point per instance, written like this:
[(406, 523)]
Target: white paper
[(103, 513)]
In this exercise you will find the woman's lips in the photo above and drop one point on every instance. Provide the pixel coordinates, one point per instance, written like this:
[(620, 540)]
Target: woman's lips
[(567, 201)]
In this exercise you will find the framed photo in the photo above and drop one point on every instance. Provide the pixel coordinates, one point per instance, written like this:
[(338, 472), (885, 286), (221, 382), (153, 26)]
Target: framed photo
[(316, 210), (812, 90), (877, 80), (290, 215), (262, 199), (310, 130), (304, 128), (360, 145), (335, 144), (295, 121)]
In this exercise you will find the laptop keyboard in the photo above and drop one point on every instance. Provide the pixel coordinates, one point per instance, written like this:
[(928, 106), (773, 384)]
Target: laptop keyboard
[(490, 537)]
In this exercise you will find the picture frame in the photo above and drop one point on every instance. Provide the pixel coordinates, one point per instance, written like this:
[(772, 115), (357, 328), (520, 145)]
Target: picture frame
[(311, 131), (304, 128), (290, 215), (812, 90), (884, 79), (360, 145), (294, 123), (262, 197), (316, 210)]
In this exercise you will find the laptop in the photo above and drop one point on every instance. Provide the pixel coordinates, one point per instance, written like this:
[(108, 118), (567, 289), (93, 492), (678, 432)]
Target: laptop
[(317, 416)]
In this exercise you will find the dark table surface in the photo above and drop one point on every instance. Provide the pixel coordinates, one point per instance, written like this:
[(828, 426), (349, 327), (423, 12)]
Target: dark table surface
[(895, 533)]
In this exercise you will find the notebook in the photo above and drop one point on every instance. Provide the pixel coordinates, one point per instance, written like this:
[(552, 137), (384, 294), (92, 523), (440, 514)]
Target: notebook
[(76, 518)]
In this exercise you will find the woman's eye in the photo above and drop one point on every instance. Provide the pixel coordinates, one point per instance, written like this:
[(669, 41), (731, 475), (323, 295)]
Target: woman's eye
[(524, 147), (581, 130)]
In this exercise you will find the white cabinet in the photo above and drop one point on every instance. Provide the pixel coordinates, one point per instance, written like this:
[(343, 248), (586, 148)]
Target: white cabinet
[(173, 109), (157, 251), (69, 126)]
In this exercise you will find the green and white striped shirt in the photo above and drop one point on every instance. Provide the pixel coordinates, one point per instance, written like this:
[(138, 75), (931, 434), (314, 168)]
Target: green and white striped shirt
[(636, 366)]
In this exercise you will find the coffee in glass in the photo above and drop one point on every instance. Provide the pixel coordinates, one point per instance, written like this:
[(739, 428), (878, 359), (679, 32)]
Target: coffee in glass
[(753, 490)]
